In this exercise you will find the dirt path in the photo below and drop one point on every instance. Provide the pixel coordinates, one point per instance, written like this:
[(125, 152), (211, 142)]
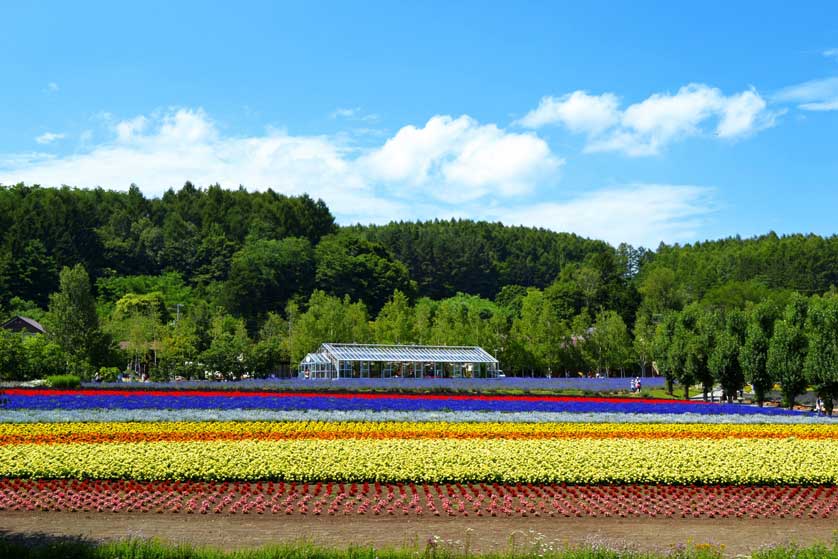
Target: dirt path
[(739, 536)]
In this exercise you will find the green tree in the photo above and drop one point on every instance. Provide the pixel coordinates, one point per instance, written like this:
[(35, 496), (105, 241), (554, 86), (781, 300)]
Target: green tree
[(660, 291), (43, 357), (525, 330), (423, 313), (12, 356), (643, 342), (609, 343), (177, 350), (754, 353), (327, 319), (395, 321), (724, 360), (680, 354), (511, 297), (787, 350), (229, 349), (72, 320), (360, 269), (821, 363), (664, 332), (265, 274), (270, 354), (32, 274)]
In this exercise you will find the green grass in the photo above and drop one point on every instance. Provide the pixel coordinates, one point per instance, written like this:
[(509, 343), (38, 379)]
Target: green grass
[(47, 547)]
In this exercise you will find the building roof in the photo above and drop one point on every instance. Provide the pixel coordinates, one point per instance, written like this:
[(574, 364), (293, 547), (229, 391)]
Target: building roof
[(316, 359), (405, 353), (30, 322)]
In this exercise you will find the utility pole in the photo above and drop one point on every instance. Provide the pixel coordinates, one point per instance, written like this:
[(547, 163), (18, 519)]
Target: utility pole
[(178, 306)]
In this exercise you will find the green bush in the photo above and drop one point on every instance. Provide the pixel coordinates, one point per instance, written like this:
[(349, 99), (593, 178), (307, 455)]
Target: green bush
[(108, 374), (63, 381)]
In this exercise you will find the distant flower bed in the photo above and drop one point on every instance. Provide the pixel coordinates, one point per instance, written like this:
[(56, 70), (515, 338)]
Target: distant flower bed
[(408, 384), (216, 415), (196, 399)]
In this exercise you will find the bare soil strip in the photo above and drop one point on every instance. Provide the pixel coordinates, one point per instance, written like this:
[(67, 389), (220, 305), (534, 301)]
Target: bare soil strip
[(738, 536)]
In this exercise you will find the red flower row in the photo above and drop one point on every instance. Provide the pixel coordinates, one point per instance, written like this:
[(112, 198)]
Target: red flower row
[(410, 499)]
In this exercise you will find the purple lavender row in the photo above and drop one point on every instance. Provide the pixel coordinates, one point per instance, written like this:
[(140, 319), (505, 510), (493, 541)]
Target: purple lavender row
[(509, 383), (144, 401)]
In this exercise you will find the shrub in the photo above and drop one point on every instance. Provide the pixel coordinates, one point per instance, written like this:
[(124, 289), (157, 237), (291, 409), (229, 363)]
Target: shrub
[(108, 374), (63, 381)]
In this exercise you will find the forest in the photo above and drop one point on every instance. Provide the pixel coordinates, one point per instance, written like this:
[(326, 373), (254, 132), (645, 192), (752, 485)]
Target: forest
[(228, 283)]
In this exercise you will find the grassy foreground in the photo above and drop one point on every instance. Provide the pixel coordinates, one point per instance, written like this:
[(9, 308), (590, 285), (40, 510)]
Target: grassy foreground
[(152, 549)]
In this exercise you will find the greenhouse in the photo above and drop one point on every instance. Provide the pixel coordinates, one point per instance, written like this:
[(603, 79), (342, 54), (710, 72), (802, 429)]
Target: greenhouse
[(334, 360)]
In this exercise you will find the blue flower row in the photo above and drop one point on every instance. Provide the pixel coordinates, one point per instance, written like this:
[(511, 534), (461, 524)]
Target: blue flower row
[(324, 402)]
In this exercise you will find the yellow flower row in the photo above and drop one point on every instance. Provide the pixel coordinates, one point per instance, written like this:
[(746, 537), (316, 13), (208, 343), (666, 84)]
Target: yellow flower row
[(667, 461), (185, 431)]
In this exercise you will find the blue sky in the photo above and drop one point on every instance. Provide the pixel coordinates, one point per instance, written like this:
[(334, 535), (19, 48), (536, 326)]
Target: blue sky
[(626, 121)]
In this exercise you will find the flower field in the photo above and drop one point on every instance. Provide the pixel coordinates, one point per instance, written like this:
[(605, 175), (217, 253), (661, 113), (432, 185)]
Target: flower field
[(331, 498), (310, 453)]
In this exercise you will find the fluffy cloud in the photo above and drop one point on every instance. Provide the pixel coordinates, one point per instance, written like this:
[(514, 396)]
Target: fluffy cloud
[(455, 159), (48, 137), (815, 95), (640, 214), (419, 173), (577, 111), (646, 127), (831, 53), (460, 160)]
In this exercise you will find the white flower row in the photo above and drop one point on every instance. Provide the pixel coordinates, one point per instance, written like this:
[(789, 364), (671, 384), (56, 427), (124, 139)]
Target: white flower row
[(98, 415)]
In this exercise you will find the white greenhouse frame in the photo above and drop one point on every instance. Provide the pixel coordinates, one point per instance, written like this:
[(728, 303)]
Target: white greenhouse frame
[(339, 360)]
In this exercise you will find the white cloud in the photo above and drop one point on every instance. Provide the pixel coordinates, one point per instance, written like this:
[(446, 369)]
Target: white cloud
[(454, 159), (640, 214), (127, 129), (48, 137), (419, 173), (578, 111), (52, 87), (353, 113), (814, 95), (460, 160), (740, 113), (831, 53), (645, 128)]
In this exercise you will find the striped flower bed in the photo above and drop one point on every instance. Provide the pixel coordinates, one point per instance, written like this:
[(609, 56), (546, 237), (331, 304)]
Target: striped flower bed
[(429, 453), (204, 451)]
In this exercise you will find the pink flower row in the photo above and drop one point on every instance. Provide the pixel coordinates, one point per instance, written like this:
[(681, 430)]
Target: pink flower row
[(410, 499)]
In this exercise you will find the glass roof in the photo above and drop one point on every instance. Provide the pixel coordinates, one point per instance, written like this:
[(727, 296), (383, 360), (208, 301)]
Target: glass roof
[(316, 358), (396, 353)]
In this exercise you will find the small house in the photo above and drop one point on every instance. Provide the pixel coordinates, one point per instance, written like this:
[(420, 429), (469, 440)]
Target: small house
[(24, 324)]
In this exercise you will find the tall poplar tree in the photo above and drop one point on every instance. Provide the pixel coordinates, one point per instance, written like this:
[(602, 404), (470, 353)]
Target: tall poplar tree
[(72, 320)]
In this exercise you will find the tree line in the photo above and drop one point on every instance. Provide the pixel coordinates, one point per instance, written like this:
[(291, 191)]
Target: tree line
[(238, 282)]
